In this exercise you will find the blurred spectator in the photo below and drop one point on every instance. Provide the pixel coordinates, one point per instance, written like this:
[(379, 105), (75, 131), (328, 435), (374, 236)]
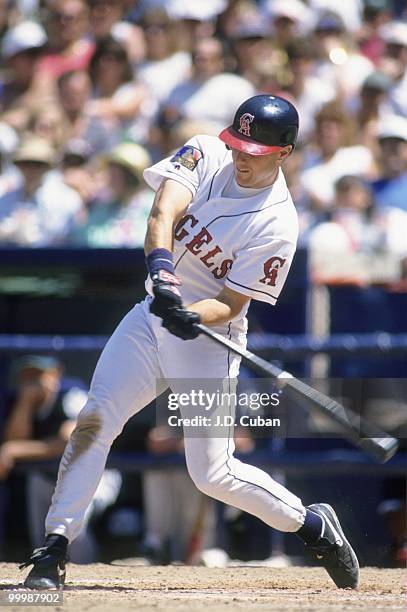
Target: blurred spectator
[(67, 23), (375, 14), (165, 66), (333, 157), (307, 92), (390, 188), (194, 20), (78, 172), (41, 209), (19, 95), (289, 20), (116, 97), (210, 94), (41, 419), (77, 118), (394, 63), (339, 63), (357, 226), (251, 46), (172, 506), (118, 217), (349, 11), (373, 104), (106, 19), (180, 520)]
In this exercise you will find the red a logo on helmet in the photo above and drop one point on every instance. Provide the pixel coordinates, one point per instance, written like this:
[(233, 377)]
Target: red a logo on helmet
[(271, 269), (245, 121)]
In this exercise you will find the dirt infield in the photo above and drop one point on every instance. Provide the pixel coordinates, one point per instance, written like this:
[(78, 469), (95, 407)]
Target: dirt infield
[(195, 589)]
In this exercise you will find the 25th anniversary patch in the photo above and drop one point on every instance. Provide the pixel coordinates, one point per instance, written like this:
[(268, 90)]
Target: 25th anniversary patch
[(187, 156)]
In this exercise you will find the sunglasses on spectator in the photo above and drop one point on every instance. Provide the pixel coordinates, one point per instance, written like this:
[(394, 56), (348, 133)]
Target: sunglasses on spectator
[(112, 56), (155, 28), (66, 17)]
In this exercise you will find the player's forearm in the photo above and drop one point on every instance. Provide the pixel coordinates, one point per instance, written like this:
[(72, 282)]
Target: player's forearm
[(212, 312), (170, 202), (221, 309)]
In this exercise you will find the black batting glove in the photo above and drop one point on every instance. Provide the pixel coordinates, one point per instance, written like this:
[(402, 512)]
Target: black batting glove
[(182, 323), (166, 293)]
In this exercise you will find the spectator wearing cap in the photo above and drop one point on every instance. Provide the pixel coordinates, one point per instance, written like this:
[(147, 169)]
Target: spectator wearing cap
[(308, 92), (118, 216), (116, 96), (394, 63), (22, 48), (194, 20), (373, 104), (251, 46), (334, 155), (390, 188), (289, 20), (210, 94), (42, 416), (349, 11), (165, 65), (338, 60), (41, 209)]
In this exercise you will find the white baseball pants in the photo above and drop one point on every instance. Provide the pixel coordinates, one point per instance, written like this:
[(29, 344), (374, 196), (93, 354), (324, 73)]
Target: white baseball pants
[(139, 353)]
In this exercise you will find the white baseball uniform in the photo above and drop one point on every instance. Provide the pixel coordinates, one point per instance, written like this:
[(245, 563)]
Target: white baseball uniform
[(238, 237)]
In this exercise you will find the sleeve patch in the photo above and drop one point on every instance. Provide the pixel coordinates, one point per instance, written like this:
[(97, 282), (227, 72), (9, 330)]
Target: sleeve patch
[(187, 156)]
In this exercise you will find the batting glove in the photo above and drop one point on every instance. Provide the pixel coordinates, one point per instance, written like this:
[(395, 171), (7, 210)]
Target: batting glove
[(166, 293), (182, 323)]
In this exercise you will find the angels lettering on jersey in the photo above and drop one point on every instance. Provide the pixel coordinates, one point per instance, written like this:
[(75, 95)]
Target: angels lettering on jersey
[(244, 239)]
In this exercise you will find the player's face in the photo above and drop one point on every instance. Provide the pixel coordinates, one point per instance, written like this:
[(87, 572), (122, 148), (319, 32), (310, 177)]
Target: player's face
[(257, 171)]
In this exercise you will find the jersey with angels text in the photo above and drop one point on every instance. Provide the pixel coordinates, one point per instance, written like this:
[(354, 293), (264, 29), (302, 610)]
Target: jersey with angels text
[(241, 238)]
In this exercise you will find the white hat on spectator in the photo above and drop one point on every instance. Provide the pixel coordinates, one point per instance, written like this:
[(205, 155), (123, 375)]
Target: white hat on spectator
[(294, 9), (392, 126), (394, 33), (24, 36), (198, 10)]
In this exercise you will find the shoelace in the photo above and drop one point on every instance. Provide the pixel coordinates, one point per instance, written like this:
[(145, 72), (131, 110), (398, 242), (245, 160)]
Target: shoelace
[(38, 555)]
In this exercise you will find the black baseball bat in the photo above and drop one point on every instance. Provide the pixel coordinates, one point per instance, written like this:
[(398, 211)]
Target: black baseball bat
[(357, 430)]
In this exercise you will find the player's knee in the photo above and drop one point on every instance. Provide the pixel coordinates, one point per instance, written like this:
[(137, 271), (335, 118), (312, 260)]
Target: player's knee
[(97, 420), (207, 482)]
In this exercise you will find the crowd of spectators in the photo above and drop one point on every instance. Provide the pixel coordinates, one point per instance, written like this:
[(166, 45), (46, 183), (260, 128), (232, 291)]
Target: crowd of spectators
[(93, 91)]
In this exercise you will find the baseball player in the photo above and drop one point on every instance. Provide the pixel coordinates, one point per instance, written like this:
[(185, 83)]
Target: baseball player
[(222, 231)]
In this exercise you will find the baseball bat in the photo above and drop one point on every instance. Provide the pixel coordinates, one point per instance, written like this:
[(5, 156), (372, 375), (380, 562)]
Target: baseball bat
[(358, 431)]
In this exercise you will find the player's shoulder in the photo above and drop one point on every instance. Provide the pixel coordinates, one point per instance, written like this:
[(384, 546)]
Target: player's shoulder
[(209, 145)]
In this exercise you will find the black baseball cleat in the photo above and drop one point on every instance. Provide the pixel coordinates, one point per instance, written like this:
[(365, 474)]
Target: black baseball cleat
[(333, 550), (49, 564)]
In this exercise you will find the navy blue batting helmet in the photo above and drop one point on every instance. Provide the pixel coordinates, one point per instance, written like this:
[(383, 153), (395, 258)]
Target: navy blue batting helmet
[(262, 124)]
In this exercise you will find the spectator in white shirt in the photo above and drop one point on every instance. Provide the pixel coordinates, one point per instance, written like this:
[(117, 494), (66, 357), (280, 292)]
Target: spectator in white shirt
[(165, 65), (210, 94), (334, 157), (41, 210)]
